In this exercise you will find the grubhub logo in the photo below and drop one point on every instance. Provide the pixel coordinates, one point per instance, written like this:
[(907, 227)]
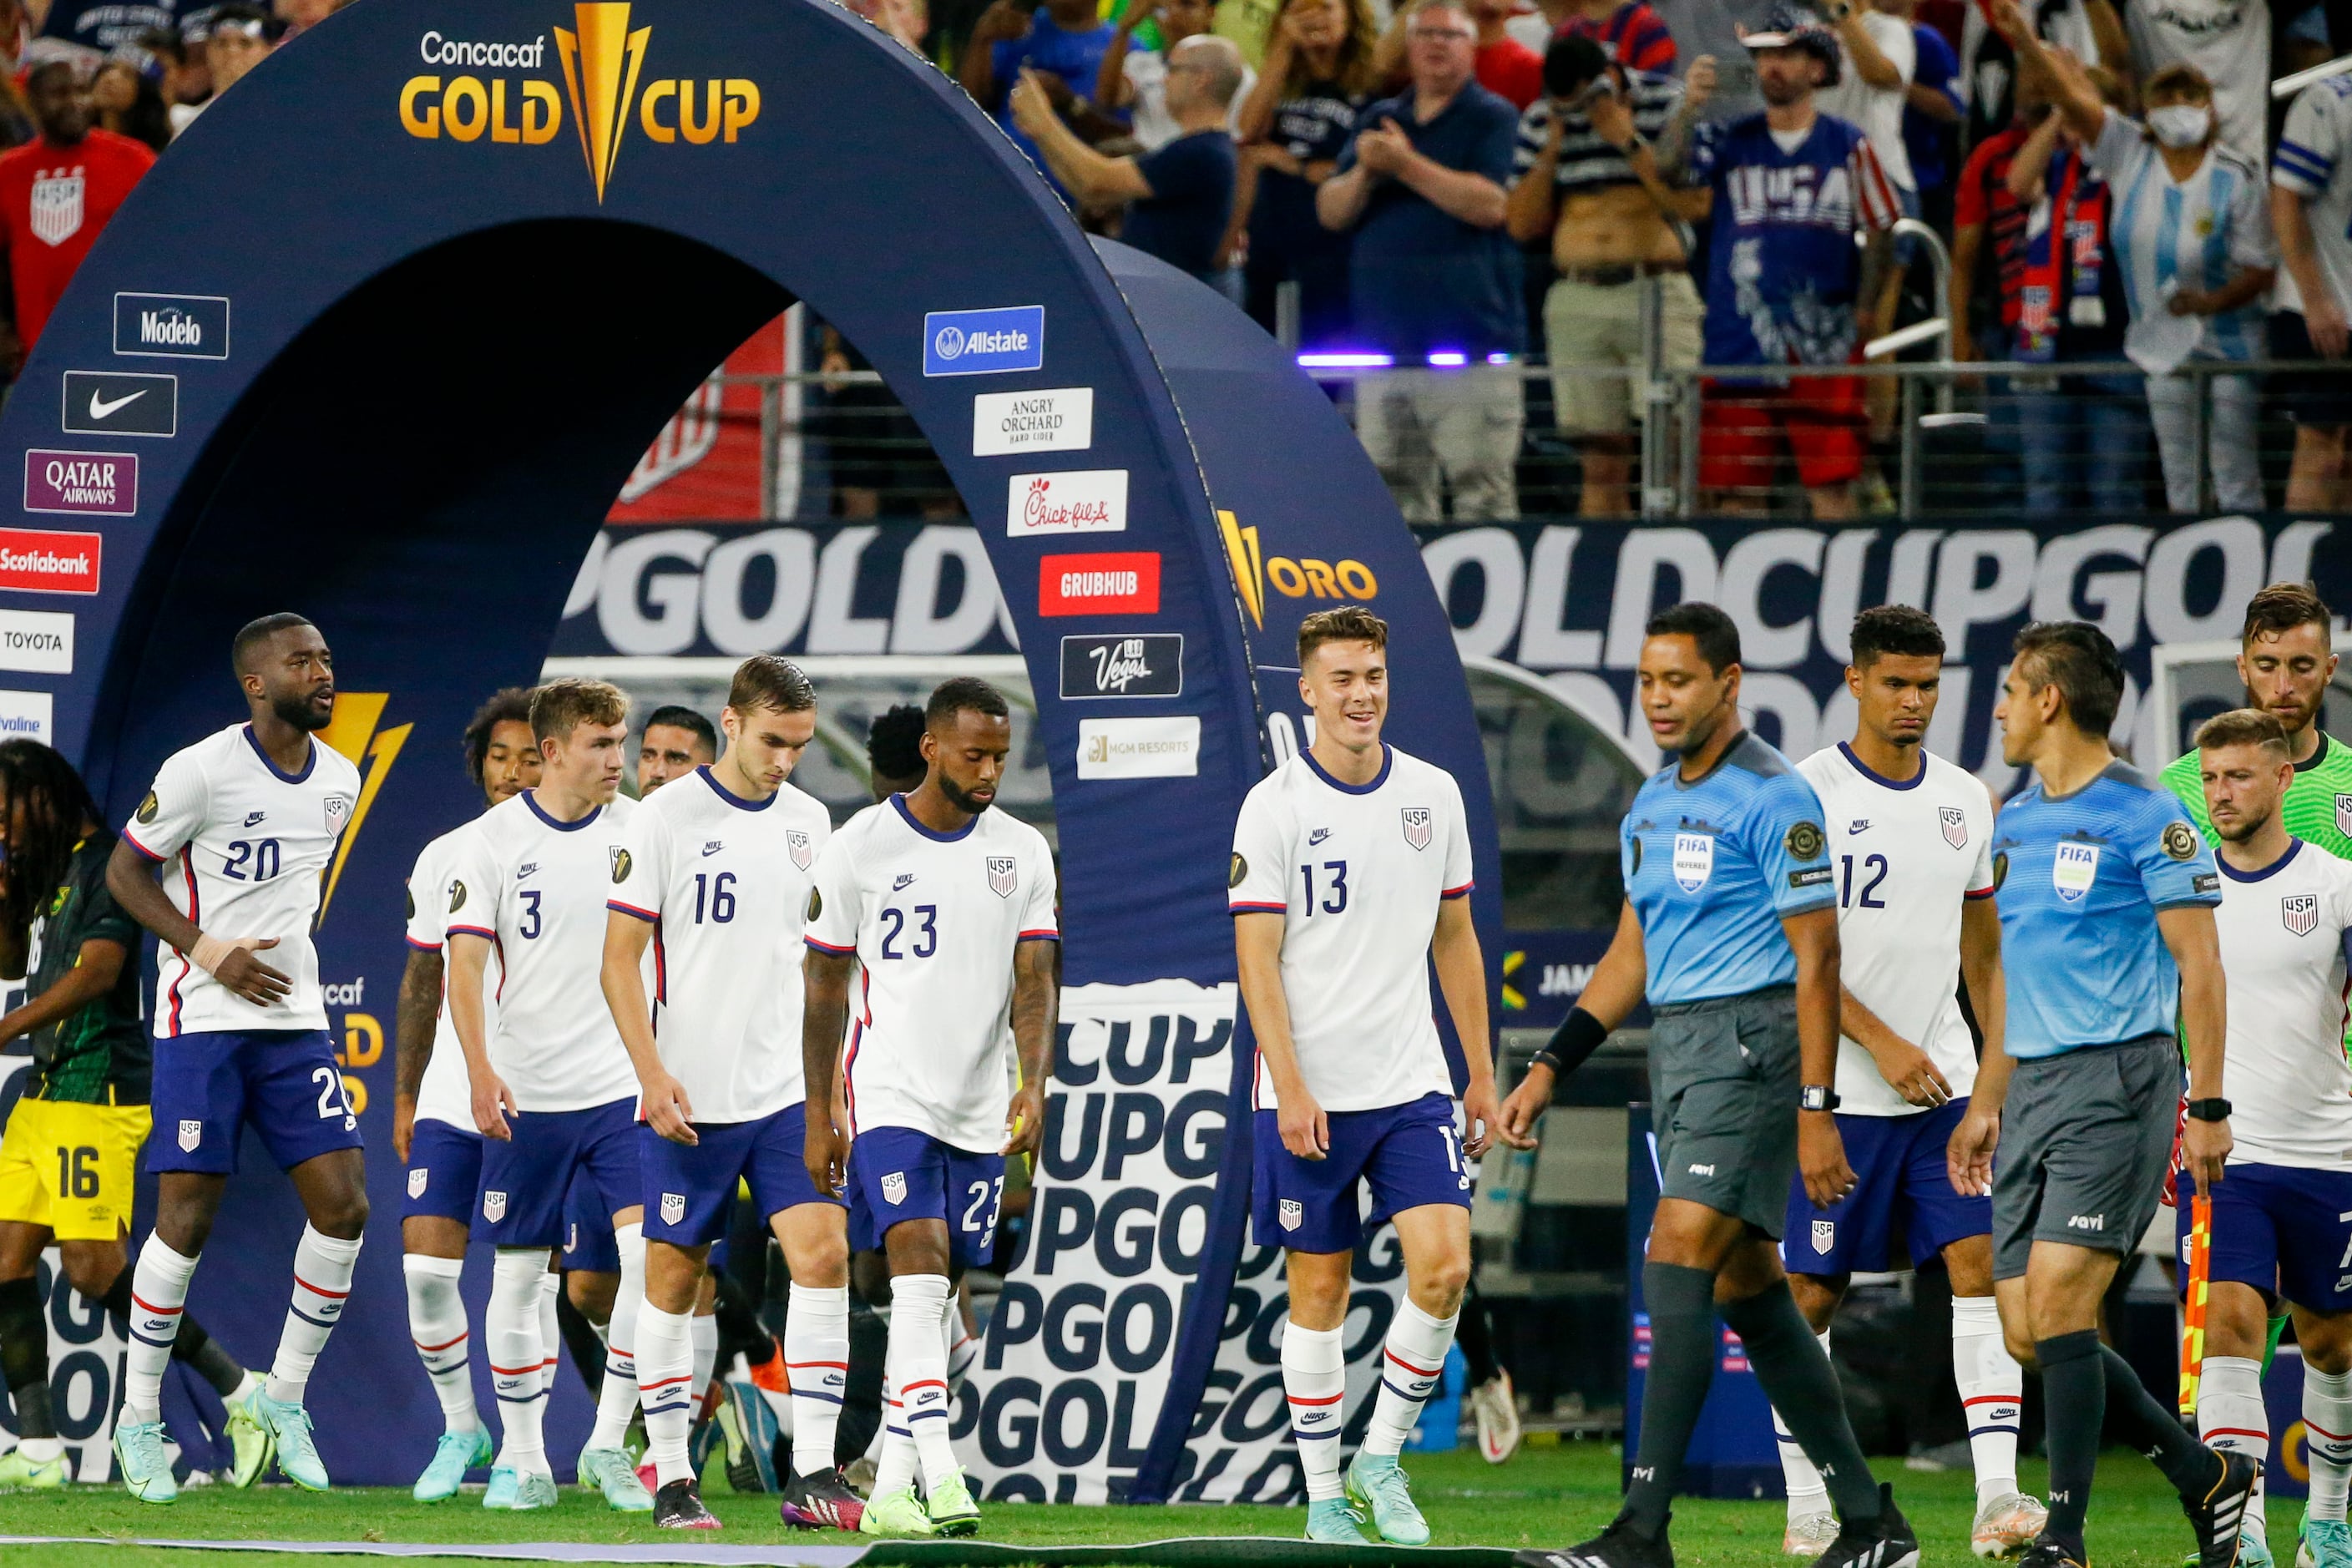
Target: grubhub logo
[(603, 59), (1292, 579)]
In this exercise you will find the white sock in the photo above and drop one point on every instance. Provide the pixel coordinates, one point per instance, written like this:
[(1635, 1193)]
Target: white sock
[(619, 1400), (2230, 1417), (551, 1330), (816, 1361), (1808, 1493), (41, 1450), (436, 1324), (323, 1283), (665, 1360), (1991, 1387), (2328, 1428), (704, 1332), (511, 1330), (918, 1360), (894, 1451), (1411, 1363), (159, 1289), (1315, 1380)]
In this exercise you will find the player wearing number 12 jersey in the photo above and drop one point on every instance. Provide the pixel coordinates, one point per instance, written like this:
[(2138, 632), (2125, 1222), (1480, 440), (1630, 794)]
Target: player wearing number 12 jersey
[(948, 909)]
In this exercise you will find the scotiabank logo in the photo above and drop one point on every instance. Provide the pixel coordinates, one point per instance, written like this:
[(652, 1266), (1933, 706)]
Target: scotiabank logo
[(1120, 584), (40, 561)]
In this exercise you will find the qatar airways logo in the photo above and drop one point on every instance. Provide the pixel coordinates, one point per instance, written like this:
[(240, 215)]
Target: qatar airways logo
[(1085, 501)]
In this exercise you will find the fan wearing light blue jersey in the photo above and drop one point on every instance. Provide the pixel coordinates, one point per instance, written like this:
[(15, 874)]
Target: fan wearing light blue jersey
[(1730, 929), (2106, 898)]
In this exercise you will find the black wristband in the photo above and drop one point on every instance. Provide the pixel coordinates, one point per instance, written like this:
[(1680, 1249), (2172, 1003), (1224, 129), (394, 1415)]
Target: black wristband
[(1578, 1036)]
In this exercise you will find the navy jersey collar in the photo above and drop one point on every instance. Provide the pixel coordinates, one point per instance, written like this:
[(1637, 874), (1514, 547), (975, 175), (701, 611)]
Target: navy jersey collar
[(531, 799), (1874, 776), (280, 775), (911, 820), (729, 796), (2294, 848), (1388, 761)]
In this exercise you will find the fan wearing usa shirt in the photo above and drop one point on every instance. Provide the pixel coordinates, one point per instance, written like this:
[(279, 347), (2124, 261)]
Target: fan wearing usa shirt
[(1350, 869), (715, 875), (948, 908), (551, 1089), (244, 824)]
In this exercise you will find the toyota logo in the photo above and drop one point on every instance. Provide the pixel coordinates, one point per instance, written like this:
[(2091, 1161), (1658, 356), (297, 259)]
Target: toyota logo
[(950, 343)]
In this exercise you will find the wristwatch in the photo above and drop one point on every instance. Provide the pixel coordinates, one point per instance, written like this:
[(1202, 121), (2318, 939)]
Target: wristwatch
[(1820, 1097), (2213, 1109)]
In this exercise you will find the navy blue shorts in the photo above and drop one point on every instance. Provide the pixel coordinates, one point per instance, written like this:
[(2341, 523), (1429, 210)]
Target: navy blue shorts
[(589, 1245), (690, 1193), (283, 1083), (1408, 1154), (525, 1178), (1899, 1170), (896, 1173), (444, 1171), (2280, 1228)]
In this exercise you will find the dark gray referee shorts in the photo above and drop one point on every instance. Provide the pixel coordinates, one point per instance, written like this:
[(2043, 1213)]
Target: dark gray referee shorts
[(2086, 1139), (1723, 1092)]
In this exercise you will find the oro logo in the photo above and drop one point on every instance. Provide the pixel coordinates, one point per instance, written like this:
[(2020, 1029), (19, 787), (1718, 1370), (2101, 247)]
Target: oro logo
[(1300, 579), (601, 60)]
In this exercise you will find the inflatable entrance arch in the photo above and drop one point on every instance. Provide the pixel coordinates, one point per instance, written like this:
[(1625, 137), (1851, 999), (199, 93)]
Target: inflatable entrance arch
[(380, 340)]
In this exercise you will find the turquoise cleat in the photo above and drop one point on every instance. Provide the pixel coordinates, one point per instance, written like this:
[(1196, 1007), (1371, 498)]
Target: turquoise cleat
[(1376, 1485), (457, 1453), (288, 1426), (504, 1484), (2326, 1543), (536, 1489), (1334, 1521), (609, 1471), (138, 1453)]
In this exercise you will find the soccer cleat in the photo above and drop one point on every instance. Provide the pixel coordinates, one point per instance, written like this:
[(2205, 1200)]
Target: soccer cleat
[(2045, 1553), (752, 1433), (500, 1492), (952, 1510), (2218, 1513), (18, 1473), (1886, 1542), (649, 1477), (2326, 1543), (822, 1501), (1497, 1406), (534, 1490), (2253, 1551), (251, 1448), (1618, 1546), (679, 1506), (138, 1453), (609, 1470), (1334, 1521), (895, 1513), (1809, 1536), (288, 1426), (2007, 1524), (1376, 1485), (457, 1453)]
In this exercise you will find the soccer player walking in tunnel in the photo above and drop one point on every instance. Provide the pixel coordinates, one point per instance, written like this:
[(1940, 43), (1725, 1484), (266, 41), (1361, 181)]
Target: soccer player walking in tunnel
[(1730, 929), (246, 820), (1351, 871), (949, 909)]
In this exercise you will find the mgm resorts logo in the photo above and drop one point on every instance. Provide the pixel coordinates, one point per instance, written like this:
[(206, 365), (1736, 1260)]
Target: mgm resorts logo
[(1299, 579), (601, 59)]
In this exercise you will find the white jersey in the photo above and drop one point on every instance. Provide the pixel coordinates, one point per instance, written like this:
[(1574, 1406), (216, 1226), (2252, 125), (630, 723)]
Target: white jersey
[(2311, 149), (1878, 112), (2229, 41), (1356, 872), (250, 847), (1906, 857), (446, 1094), (536, 886), (933, 920), (2284, 953), (725, 883)]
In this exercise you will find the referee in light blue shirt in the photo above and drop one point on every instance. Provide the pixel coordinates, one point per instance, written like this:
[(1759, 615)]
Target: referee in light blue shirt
[(2106, 898), (1730, 929)]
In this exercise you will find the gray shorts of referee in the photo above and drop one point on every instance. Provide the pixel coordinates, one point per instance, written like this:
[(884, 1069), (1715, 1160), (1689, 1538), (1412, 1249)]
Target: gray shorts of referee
[(2086, 1139), (1723, 1091)]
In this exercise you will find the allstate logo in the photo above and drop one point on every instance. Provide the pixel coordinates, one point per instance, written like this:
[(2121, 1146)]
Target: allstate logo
[(992, 341), (949, 344)]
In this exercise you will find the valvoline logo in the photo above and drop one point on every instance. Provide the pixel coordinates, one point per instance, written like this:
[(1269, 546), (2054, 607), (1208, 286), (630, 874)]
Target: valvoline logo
[(984, 342)]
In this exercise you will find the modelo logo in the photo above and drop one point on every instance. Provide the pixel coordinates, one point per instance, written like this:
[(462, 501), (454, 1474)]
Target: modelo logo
[(984, 342), (601, 57), (1292, 579), (171, 326)]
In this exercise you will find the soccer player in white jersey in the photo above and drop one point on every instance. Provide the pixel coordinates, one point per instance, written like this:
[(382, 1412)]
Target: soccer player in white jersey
[(1910, 842), (1350, 870), (245, 824), (716, 876), (550, 1086), (2311, 208), (2282, 1225), (948, 908), (433, 1111)]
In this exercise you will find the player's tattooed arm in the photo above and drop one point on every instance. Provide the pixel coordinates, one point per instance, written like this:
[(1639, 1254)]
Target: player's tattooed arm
[(1036, 989), (824, 1018), (1821, 1152), (2188, 931), (131, 879), (414, 1022)]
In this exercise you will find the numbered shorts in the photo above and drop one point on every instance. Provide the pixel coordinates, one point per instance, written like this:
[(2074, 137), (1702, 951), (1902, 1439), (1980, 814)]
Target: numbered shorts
[(896, 1173), (71, 1167), (444, 1171), (282, 1083), (2086, 1140), (690, 1191), (1723, 1099), (1900, 1174), (525, 1178), (1408, 1156), (589, 1245), (2285, 1230)]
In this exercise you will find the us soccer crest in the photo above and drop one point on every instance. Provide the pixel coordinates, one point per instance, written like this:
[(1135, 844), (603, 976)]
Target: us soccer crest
[(1416, 825), (1824, 1235), (2343, 813), (673, 1206), (894, 1187), (797, 843), (1293, 1213), (1955, 822), (494, 1206), (191, 1134), (2301, 912), (416, 1182), (339, 812), (58, 205), (1002, 876)]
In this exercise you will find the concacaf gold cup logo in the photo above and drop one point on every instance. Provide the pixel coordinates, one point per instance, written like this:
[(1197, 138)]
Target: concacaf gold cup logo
[(506, 93)]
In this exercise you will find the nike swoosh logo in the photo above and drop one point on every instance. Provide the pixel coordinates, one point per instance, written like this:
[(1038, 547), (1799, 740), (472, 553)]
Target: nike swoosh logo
[(100, 408)]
